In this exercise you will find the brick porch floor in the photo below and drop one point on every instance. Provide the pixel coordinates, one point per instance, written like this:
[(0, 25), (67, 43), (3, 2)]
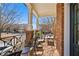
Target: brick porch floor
[(49, 50)]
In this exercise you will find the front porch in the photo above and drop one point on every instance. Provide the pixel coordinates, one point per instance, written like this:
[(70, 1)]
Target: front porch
[(35, 44), (57, 28)]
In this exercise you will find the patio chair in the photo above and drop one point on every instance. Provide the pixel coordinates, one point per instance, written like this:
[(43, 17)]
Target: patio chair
[(6, 50), (39, 50)]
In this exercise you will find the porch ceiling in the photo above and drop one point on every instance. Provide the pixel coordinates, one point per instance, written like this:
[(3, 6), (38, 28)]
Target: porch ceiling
[(44, 9)]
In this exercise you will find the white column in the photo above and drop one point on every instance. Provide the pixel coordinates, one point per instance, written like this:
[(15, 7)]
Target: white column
[(30, 27), (37, 23), (67, 29)]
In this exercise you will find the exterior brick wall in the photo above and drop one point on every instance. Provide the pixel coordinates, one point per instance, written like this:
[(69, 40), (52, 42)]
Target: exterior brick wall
[(59, 28)]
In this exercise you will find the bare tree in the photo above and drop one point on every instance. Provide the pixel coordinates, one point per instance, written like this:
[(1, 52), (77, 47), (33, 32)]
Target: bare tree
[(8, 16)]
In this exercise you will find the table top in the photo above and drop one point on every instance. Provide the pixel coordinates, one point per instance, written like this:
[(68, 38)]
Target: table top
[(49, 37), (40, 40)]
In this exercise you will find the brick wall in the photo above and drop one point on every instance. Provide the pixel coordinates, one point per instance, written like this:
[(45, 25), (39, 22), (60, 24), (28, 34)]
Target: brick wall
[(59, 28)]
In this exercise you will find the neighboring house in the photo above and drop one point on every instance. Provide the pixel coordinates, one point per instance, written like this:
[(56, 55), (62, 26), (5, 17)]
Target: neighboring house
[(15, 28), (45, 27)]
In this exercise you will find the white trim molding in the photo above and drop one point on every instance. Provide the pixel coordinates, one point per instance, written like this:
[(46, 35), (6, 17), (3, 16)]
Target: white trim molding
[(66, 29)]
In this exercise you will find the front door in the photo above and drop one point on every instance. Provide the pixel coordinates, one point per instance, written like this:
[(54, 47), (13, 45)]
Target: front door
[(74, 29)]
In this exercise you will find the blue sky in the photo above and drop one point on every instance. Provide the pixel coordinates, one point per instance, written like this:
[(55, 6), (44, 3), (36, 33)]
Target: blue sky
[(23, 13)]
